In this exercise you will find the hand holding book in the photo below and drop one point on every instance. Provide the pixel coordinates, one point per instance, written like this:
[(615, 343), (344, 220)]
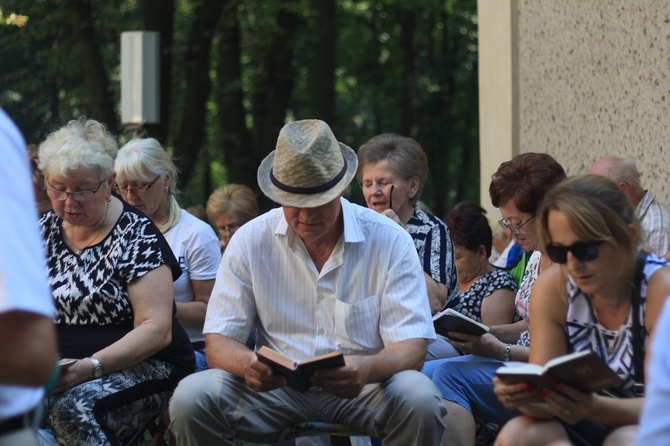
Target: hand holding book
[(451, 320), (584, 370), (298, 375)]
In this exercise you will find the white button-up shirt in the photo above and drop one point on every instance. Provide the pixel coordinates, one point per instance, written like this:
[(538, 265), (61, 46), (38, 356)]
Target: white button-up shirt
[(369, 294)]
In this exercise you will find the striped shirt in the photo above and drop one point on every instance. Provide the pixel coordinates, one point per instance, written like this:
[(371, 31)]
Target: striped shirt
[(435, 247), (655, 221), (369, 294)]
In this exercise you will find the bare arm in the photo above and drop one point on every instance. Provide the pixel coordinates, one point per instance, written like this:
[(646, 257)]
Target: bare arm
[(151, 298), (192, 314), (437, 293), (498, 308), (27, 348)]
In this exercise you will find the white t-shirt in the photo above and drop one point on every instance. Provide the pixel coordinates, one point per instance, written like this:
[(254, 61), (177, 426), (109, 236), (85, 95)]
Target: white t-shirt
[(23, 280), (196, 247), (369, 294)]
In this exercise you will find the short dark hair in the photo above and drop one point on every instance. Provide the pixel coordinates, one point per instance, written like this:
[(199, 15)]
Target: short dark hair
[(469, 228), (524, 180)]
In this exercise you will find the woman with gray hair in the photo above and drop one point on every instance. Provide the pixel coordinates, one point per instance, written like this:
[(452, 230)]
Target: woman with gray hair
[(111, 274), (392, 171), (147, 179)]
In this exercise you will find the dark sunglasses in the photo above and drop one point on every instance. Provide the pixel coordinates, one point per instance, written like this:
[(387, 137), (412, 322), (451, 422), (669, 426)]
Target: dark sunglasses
[(584, 252)]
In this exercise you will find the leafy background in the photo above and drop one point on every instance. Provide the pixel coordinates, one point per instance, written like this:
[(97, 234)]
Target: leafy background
[(234, 71)]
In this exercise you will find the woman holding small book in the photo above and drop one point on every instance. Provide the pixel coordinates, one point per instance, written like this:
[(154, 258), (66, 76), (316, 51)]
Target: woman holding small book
[(485, 293), (465, 382), (606, 297)]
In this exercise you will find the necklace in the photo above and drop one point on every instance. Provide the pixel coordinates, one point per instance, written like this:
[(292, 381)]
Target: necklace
[(542, 268), (611, 345), (97, 234)]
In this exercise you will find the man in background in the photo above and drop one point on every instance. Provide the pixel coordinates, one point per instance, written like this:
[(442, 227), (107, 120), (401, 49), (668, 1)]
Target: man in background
[(653, 216)]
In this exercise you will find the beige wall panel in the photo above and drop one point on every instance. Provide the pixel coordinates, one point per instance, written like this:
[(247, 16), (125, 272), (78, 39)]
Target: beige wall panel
[(498, 107), (594, 80)]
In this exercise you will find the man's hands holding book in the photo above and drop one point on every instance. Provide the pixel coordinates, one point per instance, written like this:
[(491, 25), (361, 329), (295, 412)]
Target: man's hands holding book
[(343, 382), (341, 376), (260, 377)]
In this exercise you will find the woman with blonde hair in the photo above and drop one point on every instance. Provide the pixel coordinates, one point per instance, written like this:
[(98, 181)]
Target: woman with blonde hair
[(147, 180), (230, 207), (605, 297)]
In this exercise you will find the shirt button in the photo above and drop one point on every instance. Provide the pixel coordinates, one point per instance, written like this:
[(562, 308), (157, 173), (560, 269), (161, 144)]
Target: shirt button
[(321, 331), (321, 297)]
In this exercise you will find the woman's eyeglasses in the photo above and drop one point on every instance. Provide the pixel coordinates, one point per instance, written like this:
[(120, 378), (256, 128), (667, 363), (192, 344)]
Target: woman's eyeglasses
[(80, 195), (516, 230), (584, 252), (232, 227), (139, 190)]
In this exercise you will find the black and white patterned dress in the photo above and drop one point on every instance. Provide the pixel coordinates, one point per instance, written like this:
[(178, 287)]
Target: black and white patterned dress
[(93, 310)]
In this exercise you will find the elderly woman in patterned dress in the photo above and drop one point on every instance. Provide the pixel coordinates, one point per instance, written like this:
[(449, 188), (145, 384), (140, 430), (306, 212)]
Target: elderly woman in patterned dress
[(111, 274), (485, 293), (392, 171)]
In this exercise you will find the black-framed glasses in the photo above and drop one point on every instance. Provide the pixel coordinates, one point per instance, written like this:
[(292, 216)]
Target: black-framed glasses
[(583, 251), (80, 195), (516, 230), (139, 190)]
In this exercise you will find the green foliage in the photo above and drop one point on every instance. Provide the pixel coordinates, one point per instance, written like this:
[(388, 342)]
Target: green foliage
[(400, 66)]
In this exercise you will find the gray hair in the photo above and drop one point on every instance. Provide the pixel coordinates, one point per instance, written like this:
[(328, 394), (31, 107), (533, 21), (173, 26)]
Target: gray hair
[(403, 153), (144, 160), (619, 170), (82, 144)]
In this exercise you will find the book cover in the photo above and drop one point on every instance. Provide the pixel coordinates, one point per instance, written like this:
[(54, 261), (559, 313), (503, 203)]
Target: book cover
[(298, 374), (451, 320), (585, 371)]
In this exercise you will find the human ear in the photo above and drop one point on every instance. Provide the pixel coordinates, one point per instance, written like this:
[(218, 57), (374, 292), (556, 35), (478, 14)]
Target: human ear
[(413, 187)]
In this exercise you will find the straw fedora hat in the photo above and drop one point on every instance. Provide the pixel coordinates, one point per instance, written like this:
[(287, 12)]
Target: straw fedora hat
[(309, 168)]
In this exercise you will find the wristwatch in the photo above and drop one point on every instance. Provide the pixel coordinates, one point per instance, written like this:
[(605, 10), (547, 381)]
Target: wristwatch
[(507, 355), (97, 368)]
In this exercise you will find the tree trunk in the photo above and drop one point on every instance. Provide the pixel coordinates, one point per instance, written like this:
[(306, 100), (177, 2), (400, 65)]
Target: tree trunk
[(410, 99), (159, 16), (274, 92), (235, 140), (321, 77), (100, 97), (190, 133)]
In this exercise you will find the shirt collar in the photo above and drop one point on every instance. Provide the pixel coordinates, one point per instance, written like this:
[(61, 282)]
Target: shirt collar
[(352, 229)]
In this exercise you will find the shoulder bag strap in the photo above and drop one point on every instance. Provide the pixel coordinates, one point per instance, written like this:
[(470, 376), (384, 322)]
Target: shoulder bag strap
[(638, 351)]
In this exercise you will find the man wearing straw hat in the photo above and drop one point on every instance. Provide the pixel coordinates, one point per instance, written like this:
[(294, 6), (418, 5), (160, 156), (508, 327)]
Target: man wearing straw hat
[(317, 274)]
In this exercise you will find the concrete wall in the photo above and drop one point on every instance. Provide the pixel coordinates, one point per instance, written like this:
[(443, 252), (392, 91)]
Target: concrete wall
[(578, 80)]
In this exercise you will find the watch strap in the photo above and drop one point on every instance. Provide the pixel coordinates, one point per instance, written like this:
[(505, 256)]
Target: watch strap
[(97, 367), (508, 353)]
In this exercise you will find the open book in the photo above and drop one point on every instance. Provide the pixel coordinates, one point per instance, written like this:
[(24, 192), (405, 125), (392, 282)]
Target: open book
[(451, 320), (585, 371), (298, 375), (65, 363)]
